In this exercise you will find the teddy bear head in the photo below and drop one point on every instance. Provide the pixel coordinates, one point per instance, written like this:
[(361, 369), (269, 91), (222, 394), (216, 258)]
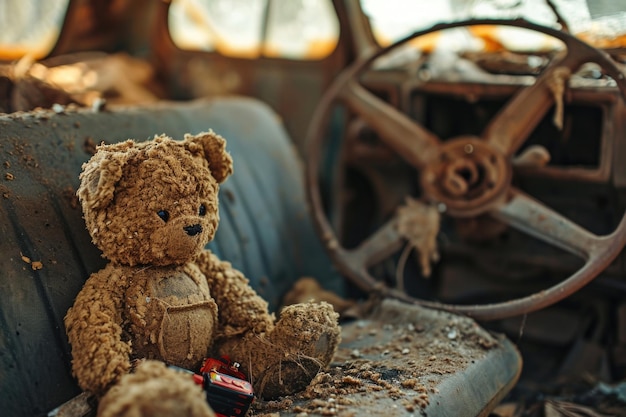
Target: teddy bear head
[(154, 202)]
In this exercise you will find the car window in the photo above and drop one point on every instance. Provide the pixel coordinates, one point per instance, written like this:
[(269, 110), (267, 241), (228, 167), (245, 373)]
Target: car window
[(294, 29), (600, 22), (30, 27)]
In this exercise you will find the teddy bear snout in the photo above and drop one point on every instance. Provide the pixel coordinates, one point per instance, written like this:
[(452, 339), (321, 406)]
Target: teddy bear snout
[(193, 230)]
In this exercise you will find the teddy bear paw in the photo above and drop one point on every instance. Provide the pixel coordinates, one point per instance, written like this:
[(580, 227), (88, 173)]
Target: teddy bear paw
[(303, 343), (157, 391)]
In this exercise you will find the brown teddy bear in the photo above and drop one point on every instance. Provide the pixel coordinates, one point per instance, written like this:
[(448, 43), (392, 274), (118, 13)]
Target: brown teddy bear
[(151, 208)]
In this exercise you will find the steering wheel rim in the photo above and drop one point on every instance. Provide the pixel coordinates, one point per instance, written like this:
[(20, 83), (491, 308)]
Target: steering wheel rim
[(506, 203)]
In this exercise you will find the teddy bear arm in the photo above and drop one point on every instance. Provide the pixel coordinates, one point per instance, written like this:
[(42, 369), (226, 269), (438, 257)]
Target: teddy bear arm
[(99, 354), (241, 309)]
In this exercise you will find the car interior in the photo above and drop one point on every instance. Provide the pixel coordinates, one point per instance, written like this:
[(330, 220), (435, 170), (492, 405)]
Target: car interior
[(450, 177)]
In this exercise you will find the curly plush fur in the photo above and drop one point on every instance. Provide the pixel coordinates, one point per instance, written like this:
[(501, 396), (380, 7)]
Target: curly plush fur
[(151, 208), (156, 391)]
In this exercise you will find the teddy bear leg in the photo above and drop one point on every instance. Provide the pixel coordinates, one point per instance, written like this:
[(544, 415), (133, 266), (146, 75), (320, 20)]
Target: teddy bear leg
[(157, 391), (285, 361)]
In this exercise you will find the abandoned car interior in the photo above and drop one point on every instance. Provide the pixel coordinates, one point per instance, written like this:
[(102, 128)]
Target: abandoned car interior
[(449, 175)]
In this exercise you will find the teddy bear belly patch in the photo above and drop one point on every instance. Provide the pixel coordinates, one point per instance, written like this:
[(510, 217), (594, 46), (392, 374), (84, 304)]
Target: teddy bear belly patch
[(186, 334), (173, 320)]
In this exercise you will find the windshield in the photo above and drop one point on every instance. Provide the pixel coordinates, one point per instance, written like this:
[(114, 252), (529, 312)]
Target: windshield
[(599, 22), (297, 29), (29, 27)]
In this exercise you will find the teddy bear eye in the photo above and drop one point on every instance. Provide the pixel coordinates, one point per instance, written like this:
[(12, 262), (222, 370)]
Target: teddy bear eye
[(164, 215), (202, 210)]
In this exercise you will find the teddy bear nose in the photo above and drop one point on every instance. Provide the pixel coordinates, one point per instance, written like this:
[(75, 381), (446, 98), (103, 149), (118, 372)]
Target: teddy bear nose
[(193, 230)]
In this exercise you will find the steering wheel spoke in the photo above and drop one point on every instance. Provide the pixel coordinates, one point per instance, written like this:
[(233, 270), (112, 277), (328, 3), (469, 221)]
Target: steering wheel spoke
[(377, 247), (536, 219), (516, 121), (411, 141)]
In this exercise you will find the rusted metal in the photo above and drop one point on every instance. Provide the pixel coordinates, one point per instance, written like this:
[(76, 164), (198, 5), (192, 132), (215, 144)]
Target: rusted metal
[(415, 144), (602, 96), (467, 176)]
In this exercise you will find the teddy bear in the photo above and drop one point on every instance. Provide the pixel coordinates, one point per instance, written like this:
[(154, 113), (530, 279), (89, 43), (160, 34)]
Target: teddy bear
[(163, 300)]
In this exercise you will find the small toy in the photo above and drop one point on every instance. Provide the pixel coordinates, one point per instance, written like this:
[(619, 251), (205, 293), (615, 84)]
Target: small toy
[(227, 390), (222, 365)]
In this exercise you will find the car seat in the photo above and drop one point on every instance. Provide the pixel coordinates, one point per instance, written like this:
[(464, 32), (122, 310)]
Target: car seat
[(265, 231)]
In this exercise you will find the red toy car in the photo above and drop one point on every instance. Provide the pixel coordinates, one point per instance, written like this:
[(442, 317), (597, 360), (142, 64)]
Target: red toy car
[(227, 390)]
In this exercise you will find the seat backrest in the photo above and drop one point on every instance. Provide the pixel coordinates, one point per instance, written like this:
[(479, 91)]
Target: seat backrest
[(46, 253)]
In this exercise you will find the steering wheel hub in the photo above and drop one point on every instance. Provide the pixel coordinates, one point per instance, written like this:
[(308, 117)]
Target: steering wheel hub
[(468, 176)]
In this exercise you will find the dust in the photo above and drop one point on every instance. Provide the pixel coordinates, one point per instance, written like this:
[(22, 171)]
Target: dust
[(388, 365)]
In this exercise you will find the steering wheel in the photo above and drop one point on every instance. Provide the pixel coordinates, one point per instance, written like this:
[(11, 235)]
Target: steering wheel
[(444, 168)]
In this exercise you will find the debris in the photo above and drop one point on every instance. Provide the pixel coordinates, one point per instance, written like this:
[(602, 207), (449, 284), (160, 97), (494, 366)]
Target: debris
[(553, 408), (390, 371), (35, 265), (419, 224), (534, 156), (556, 84), (619, 390), (507, 410), (81, 405), (120, 78), (307, 289), (98, 104)]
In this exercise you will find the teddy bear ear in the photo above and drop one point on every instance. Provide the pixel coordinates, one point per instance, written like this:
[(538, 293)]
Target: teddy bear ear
[(101, 174), (214, 148)]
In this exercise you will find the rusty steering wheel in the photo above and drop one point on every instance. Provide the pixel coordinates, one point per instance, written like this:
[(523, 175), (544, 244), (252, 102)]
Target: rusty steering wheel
[(440, 164)]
